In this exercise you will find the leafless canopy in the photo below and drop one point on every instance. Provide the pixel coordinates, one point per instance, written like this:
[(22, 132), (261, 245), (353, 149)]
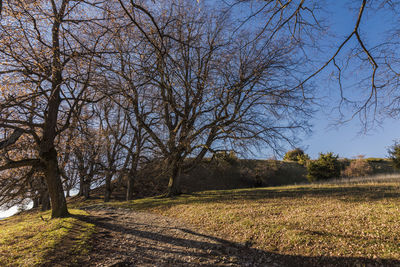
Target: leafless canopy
[(93, 89)]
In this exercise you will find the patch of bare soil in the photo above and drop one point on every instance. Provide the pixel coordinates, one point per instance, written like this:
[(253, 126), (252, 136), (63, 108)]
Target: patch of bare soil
[(129, 238)]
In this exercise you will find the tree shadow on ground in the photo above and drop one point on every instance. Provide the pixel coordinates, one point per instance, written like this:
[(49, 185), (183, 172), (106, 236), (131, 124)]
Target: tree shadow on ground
[(67, 248), (158, 247)]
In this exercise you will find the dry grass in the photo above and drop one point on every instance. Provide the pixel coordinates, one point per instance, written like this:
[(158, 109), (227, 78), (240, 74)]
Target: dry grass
[(349, 220), (372, 179), (31, 239)]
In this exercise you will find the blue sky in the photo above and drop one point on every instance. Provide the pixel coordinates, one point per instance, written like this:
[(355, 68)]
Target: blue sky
[(346, 139)]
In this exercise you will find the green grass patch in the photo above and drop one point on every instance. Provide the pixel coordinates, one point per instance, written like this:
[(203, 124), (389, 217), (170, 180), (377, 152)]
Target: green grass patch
[(354, 220), (32, 239)]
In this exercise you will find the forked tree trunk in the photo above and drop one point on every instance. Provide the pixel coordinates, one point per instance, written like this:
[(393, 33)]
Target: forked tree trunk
[(48, 153), (174, 185)]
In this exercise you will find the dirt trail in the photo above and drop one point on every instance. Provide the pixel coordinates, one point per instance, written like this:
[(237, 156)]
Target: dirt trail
[(129, 238)]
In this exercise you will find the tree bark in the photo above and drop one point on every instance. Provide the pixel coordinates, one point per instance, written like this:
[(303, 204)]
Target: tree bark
[(86, 189), (81, 185), (108, 189), (54, 185), (174, 185), (36, 202), (12, 139), (45, 200), (130, 185), (131, 175), (48, 153)]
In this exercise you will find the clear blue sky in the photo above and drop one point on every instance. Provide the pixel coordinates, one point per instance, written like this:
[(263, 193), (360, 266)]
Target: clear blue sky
[(346, 140)]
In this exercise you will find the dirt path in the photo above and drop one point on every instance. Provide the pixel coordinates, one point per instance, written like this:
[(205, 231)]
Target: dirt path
[(128, 238)]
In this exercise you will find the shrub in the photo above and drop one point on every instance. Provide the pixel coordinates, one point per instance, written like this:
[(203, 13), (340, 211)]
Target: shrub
[(394, 152), (294, 154), (303, 159), (357, 168), (325, 167), (227, 156), (375, 160)]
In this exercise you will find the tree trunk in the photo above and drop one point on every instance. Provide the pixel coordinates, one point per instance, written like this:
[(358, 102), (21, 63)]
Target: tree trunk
[(81, 184), (131, 176), (84, 184), (108, 189), (130, 185), (45, 200), (48, 153), (54, 185), (86, 189), (36, 202), (174, 185), (118, 184)]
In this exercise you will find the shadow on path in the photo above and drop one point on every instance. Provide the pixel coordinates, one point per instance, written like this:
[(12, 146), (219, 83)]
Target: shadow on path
[(126, 238)]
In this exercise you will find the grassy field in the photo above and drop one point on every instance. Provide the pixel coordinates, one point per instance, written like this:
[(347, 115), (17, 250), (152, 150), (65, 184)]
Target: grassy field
[(31, 239), (341, 224), (358, 221)]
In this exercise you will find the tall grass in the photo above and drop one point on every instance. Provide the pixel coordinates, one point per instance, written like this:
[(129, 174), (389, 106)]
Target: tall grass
[(378, 178)]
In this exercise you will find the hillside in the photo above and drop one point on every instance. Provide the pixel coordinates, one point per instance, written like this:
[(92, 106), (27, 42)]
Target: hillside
[(303, 225), (233, 173), (32, 239), (307, 225)]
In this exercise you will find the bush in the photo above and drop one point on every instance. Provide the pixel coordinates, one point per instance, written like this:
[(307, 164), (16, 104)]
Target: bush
[(357, 168), (373, 160), (227, 156), (394, 152), (294, 154), (303, 159), (325, 167)]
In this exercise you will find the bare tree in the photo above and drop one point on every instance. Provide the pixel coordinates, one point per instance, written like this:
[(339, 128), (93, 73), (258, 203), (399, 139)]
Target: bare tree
[(113, 129), (39, 42), (87, 155), (203, 86), (124, 140)]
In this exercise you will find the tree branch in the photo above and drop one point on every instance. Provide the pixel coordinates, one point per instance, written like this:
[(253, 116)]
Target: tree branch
[(12, 139), (19, 163)]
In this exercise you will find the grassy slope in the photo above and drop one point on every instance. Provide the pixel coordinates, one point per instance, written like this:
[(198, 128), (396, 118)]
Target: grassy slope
[(354, 220), (31, 239), (224, 175), (350, 220)]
